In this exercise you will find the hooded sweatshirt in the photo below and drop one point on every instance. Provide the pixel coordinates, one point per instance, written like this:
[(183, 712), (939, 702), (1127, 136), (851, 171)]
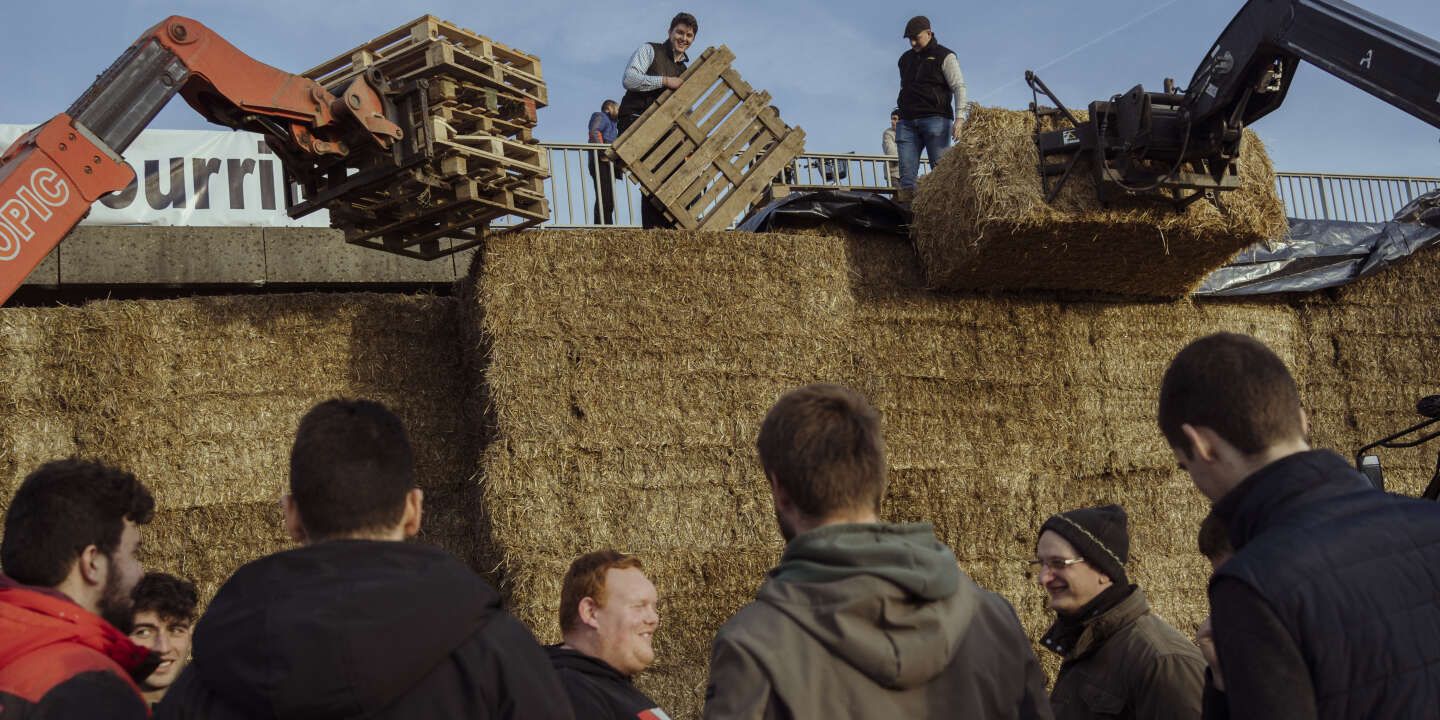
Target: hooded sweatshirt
[(58, 660), (360, 628), (597, 690), (873, 621)]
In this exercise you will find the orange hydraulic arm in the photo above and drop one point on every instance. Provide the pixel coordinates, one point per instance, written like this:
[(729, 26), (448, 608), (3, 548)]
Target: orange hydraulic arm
[(51, 176)]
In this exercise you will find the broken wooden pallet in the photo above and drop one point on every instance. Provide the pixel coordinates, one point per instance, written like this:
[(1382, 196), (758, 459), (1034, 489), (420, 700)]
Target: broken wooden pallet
[(706, 151)]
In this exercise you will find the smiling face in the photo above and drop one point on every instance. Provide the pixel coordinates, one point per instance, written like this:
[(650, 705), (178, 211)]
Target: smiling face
[(625, 624), (681, 36), (169, 638), (1069, 589)]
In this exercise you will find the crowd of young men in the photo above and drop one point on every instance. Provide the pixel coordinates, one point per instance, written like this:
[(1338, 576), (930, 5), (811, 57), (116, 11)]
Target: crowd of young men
[(1323, 605)]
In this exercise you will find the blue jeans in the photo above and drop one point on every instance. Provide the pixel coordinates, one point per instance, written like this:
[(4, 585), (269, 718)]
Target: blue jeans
[(931, 132)]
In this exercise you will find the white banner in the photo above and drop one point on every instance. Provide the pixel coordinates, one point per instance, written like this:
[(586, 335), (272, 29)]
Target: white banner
[(195, 177)]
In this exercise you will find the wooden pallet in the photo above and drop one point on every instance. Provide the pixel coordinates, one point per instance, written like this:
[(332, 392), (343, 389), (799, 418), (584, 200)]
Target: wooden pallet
[(418, 47), (467, 106), (707, 150)]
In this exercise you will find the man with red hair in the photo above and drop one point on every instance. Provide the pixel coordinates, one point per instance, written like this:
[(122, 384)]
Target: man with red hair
[(608, 619)]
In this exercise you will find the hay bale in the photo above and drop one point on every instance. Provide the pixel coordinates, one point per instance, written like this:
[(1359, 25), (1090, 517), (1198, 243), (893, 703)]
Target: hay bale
[(34, 423), (200, 398), (982, 223), (627, 374)]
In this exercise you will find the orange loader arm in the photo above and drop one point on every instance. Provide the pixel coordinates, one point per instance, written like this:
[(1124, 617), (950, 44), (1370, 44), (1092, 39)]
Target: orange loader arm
[(50, 177)]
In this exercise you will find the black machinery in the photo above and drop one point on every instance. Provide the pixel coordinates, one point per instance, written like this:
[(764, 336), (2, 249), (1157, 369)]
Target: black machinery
[(1429, 408), (1182, 144)]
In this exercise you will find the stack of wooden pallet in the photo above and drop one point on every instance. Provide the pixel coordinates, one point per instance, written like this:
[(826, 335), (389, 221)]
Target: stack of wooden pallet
[(706, 151), (469, 158)]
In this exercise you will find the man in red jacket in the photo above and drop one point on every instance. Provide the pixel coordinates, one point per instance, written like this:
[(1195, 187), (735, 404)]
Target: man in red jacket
[(68, 561)]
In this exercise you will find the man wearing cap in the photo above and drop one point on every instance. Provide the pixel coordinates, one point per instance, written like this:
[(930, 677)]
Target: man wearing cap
[(1119, 659), (930, 81)]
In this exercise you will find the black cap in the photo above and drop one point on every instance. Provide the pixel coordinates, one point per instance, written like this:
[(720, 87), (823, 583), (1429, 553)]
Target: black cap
[(1100, 534), (916, 24)]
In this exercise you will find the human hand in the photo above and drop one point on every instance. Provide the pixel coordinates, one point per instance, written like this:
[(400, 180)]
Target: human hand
[(672, 83), (955, 131), (1205, 638)]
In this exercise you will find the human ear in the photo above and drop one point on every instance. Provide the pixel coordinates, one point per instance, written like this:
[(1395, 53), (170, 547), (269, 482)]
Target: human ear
[(293, 524)]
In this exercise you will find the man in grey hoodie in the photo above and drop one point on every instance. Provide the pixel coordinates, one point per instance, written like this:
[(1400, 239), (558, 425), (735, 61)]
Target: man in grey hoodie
[(861, 619)]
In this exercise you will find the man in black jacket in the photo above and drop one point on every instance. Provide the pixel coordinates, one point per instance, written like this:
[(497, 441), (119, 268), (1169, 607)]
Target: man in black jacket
[(1328, 607), (653, 69), (608, 618), (931, 102), (357, 622)]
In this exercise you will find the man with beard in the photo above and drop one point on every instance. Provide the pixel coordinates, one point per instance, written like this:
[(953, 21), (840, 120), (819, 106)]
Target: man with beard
[(653, 69), (608, 619), (1119, 659), (68, 561), (164, 616), (861, 619), (358, 622)]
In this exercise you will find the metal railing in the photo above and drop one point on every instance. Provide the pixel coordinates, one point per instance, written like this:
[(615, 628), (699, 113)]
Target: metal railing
[(571, 188), (1356, 198)]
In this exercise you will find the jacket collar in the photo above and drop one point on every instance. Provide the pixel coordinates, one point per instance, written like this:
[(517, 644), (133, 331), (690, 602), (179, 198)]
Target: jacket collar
[(1099, 628), (670, 53), (58, 619), (1277, 489)]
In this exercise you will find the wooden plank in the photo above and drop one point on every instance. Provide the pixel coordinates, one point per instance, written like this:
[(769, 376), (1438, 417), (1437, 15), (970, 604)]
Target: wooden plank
[(714, 146), (764, 171), (757, 144)]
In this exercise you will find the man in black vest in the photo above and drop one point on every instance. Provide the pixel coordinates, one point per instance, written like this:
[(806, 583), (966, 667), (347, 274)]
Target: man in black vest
[(930, 81), (1328, 607), (653, 69)]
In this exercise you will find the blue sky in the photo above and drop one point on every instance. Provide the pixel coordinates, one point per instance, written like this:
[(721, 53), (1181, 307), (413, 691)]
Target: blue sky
[(830, 65)]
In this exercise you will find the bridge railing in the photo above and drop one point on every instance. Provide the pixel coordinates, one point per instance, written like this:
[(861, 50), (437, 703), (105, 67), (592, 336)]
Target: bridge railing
[(1311, 196)]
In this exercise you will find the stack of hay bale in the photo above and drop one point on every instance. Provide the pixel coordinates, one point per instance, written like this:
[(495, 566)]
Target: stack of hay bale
[(467, 105), (626, 386), (619, 379), (982, 223), (200, 399)]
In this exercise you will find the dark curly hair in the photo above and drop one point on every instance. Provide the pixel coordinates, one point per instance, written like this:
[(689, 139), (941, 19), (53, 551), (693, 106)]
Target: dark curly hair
[(170, 597), (64, 507)]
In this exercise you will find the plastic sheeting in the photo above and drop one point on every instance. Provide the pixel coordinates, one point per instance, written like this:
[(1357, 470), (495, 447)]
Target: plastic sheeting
[(865, 210), (1318, 254), (1326, 253)]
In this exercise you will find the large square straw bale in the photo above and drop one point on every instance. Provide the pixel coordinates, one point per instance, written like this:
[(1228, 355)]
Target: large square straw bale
[(982, 223)]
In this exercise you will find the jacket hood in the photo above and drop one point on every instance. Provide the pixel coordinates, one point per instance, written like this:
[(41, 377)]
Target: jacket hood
[(338, 628), (34, 618), (564, 658), (888, 599)]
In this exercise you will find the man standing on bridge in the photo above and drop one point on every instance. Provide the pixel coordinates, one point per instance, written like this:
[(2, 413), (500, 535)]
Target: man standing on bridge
[(653, 69), (930, 81)]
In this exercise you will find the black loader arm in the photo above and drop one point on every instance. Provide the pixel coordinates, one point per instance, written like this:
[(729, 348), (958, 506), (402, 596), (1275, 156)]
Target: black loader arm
[(1183, 143), (1263, 44)]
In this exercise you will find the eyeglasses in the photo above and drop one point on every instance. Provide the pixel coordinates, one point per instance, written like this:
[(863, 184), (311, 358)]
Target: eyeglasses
[(1055, 564)]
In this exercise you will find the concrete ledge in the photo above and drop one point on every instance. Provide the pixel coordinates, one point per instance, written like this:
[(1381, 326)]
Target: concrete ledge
[(47, 273), (163, 256), (321, 256)]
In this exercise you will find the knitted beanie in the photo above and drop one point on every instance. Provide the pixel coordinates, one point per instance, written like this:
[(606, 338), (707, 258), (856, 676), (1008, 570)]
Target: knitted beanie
[(1100, 534)]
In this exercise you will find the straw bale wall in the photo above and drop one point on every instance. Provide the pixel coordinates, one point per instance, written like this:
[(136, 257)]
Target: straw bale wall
[(626, 374), (593, 389), (200, 399), (982, 223)]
